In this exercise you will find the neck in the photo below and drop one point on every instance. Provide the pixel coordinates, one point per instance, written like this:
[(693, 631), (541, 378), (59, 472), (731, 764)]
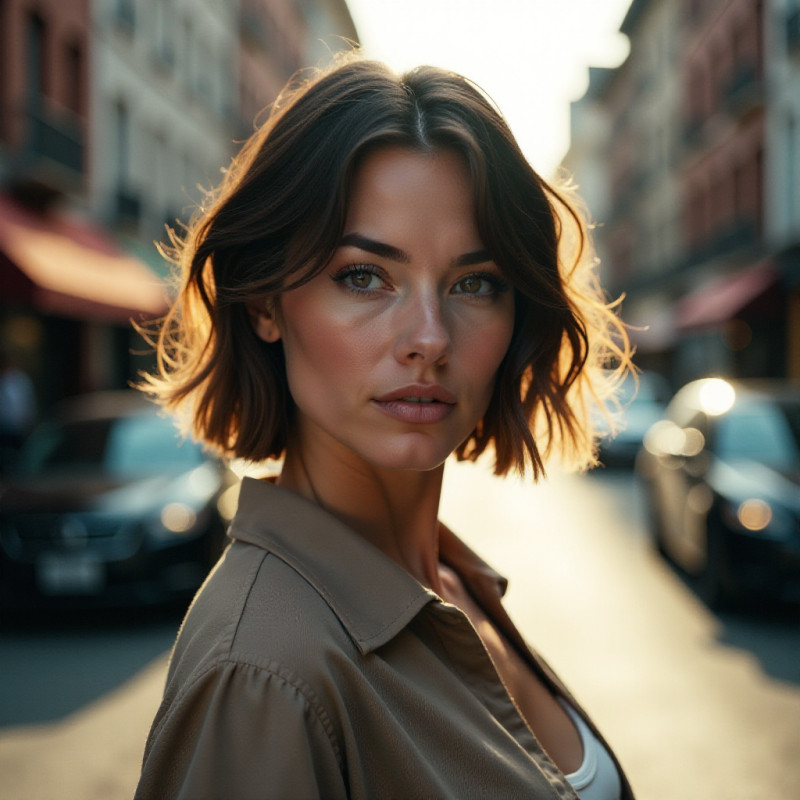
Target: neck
[(396, 510)]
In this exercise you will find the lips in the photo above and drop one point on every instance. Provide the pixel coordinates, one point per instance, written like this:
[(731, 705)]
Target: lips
[(418, 404), (419, 392)]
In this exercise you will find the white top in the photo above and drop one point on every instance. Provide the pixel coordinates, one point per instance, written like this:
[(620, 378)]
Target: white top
[(597, 777)]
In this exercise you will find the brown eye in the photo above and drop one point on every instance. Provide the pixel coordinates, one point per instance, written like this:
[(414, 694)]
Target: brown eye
[(470, 285), (361, 279)]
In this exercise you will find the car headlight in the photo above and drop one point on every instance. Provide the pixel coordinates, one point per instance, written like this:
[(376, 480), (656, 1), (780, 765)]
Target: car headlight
[(178, 517), (757, 516), (174, 521), (754, 514)]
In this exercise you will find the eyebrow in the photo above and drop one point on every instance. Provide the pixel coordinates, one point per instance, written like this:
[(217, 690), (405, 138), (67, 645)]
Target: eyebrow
[(376, 248), (476, 257), (396, 254)]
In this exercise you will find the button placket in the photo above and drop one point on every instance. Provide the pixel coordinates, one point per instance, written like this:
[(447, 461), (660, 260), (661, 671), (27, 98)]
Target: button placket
[(481, 676)]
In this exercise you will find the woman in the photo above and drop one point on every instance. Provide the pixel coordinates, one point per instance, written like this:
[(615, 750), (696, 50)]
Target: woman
[(381, 281)]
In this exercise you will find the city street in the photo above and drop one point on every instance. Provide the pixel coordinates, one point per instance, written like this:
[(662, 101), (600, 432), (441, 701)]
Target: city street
[(698, 706)]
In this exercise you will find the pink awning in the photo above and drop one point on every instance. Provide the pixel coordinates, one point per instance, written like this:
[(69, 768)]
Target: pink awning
[(723, 297), (69, 267)]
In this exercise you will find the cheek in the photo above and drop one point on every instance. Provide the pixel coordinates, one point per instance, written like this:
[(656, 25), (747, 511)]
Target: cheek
[(322, 350), (486, 348)]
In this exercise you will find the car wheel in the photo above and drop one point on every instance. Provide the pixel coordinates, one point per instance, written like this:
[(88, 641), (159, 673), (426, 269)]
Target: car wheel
[(712, 582)]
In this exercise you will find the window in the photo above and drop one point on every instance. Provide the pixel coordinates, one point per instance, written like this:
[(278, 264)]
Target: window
[(122, 125), (36, 66), (74, 78), (125, 13), (122, 447), (793, 170), (740, 190), (762, 433)]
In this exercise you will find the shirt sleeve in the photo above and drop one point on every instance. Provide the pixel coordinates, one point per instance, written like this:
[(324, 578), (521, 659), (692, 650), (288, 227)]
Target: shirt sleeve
[(242, 732)]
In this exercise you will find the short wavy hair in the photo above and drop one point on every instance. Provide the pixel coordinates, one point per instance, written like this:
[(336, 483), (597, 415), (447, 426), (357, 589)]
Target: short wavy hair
[(278, 216)]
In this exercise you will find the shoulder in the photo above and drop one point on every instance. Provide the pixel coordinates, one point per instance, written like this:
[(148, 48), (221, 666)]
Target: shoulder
[(248, 681), (241, 729), (257, 612)]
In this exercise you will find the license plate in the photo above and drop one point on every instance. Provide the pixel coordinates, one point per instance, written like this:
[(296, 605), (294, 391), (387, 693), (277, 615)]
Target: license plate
[(62, 574)]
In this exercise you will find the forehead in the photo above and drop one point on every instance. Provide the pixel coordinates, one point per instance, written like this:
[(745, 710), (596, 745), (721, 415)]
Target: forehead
[(397, 185)]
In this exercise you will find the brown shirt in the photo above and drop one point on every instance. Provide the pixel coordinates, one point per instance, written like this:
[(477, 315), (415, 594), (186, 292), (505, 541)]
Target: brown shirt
[(310, 665)]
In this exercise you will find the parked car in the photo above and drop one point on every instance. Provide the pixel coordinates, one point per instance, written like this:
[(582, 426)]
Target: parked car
[(722, 476), (642, 398), (108, 506)]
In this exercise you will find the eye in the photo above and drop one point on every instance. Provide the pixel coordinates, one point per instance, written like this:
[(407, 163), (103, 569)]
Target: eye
[(480, 284), (470, 285), (360, 278)]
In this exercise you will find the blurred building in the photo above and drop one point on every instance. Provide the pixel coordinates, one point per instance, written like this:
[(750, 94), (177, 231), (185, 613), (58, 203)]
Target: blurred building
[(273, 36), (589, 146), (329, 29), (68, 288), (280, 37), (164, 106), (115, 115), (43, 92), (782, 201), (699, 146)]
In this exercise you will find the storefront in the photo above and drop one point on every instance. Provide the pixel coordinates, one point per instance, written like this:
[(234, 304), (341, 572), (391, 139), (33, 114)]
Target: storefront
[(68, 295)]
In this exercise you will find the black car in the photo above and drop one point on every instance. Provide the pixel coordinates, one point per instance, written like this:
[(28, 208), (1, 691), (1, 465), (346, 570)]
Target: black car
[(722, 474), (108, 506), (642, 399)]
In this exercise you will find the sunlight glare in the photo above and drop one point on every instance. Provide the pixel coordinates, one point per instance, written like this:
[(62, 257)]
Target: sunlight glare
[(716, 396)]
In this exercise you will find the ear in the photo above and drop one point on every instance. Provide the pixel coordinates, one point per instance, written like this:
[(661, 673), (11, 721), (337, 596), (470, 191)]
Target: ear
[(263, 320)]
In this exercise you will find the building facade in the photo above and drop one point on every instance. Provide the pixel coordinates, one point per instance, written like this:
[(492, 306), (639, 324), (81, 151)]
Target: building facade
[(782, 170), (164, 105), (700, 149), (693, 231), (272, 48), (115, 117), (44, 104), (68, 289)]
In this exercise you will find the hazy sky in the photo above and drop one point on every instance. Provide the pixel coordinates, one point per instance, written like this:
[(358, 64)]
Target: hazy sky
[(531, 56)]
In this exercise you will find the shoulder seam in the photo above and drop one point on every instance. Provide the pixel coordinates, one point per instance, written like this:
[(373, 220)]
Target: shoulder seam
[(287, 677), (244, 596)]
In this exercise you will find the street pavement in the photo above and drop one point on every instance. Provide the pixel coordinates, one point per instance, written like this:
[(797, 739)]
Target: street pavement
[(697, 706)]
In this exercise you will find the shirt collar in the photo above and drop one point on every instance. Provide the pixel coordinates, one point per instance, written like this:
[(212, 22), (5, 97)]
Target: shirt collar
[(373, 597)]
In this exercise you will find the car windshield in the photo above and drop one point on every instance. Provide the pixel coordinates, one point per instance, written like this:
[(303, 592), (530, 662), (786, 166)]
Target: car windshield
[(647, 388), (121, 447), (764, 432)]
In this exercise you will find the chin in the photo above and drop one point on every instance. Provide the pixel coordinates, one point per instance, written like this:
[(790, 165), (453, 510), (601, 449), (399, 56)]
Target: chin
[(419, 456)]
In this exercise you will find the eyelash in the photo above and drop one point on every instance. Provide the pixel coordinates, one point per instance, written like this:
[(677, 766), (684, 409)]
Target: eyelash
[(497, 284), (354, 269)]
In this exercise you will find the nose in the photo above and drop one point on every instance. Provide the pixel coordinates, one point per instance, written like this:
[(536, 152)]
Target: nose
[(424, 333)]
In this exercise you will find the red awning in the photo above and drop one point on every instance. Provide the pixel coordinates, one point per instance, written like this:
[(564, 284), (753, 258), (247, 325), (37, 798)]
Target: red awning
[(68, 267), (723, 297)]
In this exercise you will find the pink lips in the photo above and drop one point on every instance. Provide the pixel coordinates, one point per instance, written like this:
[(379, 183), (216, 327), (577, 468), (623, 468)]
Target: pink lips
[(419, 404)]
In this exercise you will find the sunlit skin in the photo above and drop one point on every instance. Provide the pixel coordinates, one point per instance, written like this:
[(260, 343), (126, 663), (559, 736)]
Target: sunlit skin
[(411, 303), (410, 306)]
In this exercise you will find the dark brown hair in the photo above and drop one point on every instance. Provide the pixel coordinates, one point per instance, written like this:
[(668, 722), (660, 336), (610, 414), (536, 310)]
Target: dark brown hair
[(278, 217)]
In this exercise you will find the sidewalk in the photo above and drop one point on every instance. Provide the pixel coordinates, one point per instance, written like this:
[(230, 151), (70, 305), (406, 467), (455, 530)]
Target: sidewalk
[(94, 754)]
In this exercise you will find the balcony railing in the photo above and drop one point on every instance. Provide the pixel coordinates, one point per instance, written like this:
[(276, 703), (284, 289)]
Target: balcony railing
[(128, 207), (744, 91), (692, 132), (739, 235), (56, 138), (793, 32)]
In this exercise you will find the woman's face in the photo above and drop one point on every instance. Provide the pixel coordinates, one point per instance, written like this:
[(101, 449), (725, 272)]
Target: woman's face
[(392, 351)]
